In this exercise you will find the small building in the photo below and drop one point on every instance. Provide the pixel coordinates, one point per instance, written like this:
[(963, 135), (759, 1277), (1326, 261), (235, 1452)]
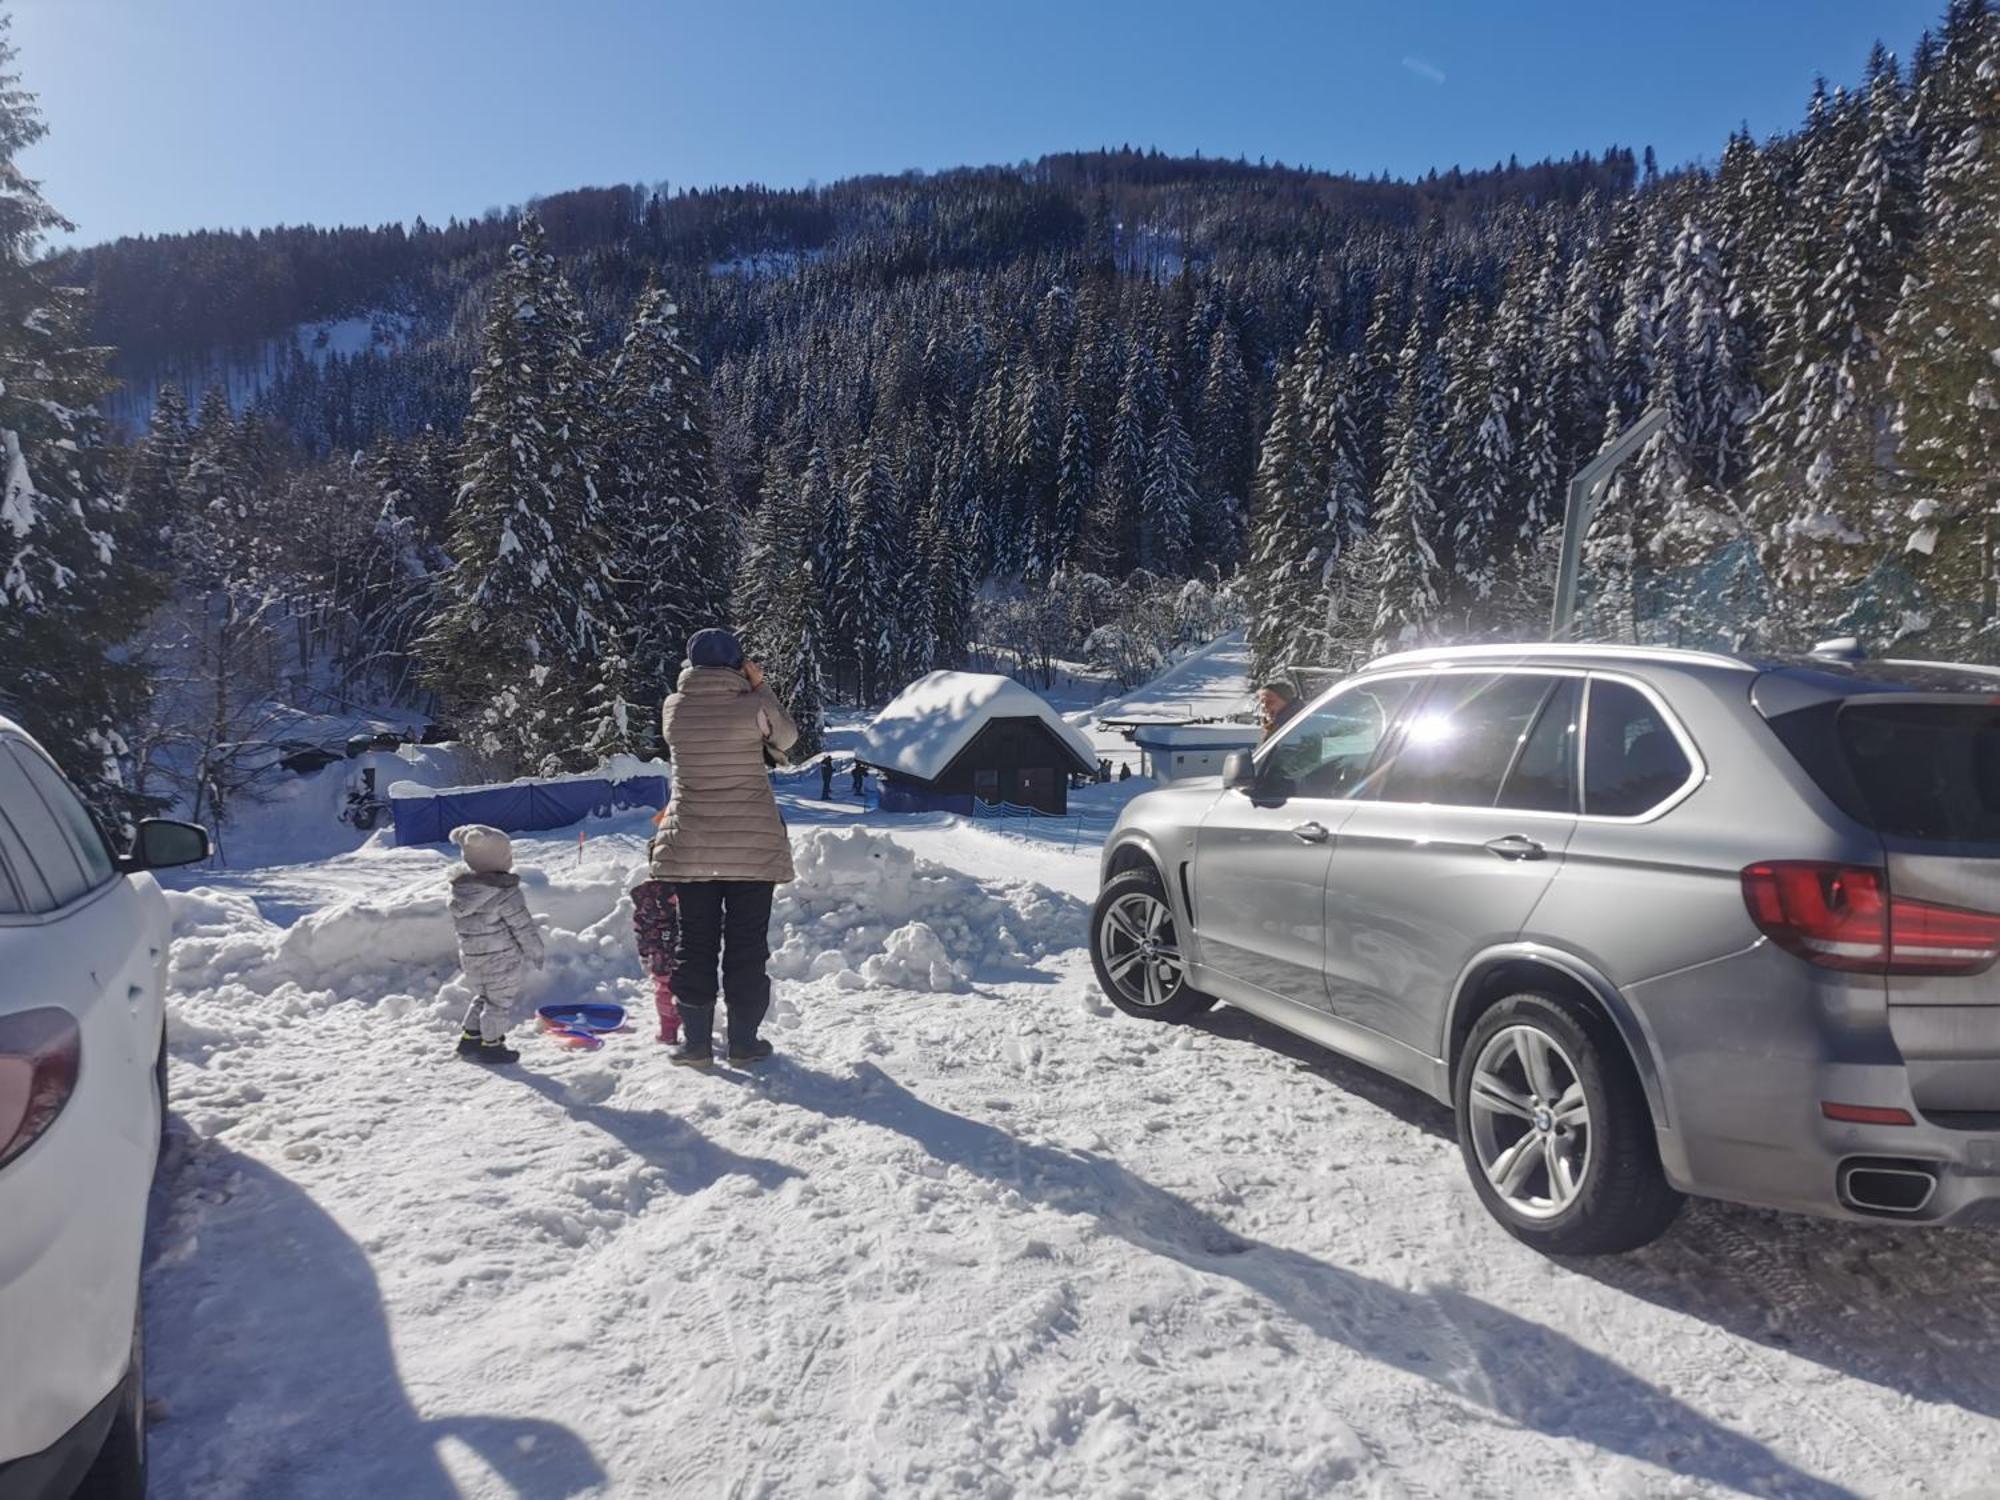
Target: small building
[(951, 738), (1176, 752)]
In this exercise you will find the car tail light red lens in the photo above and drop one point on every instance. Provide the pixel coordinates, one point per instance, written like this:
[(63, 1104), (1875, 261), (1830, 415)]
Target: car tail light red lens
[(1845, 917), (41, 1052)]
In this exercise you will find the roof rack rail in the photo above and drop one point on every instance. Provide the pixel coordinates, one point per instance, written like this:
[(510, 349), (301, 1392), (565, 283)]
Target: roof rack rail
[(1559, 651)]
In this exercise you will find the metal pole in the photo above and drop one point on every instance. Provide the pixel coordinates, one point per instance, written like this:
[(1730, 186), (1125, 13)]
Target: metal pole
[(1585, 490)]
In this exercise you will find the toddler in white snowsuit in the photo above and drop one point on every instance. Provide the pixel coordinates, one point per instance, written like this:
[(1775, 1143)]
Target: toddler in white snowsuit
[(498, 942)]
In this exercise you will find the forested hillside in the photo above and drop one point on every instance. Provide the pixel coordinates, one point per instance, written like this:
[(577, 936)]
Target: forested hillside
[(1079, 406)]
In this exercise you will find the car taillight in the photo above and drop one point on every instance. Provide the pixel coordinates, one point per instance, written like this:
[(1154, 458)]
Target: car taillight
[(40, 1053), (1846, 917)]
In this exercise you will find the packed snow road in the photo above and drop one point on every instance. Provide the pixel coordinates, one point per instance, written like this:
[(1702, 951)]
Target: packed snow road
[(972, 1234)]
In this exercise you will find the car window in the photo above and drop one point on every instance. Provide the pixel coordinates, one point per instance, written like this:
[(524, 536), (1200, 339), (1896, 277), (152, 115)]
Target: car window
[(1543, 778), (84, 835), (40, 836), (1631, 760), (1456, 748), (1327, 750)]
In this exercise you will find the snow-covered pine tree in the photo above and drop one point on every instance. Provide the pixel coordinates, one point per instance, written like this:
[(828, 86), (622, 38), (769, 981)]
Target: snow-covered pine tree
[(1166, 526), (1477, 450), (863, 612), (1408, 579), (154, 477), (1945, 379), (1223, 448), (1076, 488), (1285, 563), (513, 652), (71, 593), (1121, 476), (668, 531)]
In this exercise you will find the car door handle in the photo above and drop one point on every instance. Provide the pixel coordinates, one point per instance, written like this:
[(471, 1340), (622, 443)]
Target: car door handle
[(1517, 846), (1311, 833)]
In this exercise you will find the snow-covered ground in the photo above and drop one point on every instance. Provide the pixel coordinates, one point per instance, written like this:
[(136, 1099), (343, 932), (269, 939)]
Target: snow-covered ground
[(973, 1233)]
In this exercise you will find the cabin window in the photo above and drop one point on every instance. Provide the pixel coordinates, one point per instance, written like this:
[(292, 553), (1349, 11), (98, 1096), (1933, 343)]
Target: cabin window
[(986, 784)]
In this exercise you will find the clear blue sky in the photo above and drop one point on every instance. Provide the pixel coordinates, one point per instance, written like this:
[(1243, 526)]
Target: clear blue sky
[(178, 114)]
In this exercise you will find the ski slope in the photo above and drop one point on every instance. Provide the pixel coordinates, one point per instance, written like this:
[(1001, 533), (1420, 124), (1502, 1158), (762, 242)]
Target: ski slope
[(973, 1234)]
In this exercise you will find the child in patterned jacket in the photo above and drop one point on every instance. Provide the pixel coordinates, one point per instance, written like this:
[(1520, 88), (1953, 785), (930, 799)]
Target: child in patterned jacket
[(656, 926)]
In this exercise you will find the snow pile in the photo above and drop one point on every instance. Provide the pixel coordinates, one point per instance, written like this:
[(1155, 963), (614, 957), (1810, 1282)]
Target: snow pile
[(866, 911)]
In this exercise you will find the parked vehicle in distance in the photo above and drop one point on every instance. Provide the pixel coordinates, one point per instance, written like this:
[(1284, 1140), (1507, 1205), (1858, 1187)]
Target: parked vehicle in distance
[(1652, 922), (83, 961)]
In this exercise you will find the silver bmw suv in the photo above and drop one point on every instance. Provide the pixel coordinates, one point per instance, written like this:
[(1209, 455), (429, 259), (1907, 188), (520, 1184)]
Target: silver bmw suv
[(1652, 922)]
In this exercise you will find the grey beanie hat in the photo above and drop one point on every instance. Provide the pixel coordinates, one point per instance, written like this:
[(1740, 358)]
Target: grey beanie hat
[(714, 647)]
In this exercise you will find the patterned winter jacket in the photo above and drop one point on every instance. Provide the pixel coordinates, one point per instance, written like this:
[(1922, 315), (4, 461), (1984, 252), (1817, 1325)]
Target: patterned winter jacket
[(723, 823), (498, 942)]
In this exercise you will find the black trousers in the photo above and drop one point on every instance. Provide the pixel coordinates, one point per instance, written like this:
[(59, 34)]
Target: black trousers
[(725, 924)]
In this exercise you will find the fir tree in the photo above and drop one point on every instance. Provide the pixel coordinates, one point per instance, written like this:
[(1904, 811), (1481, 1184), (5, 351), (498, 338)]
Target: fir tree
[(1076, 487), (1166, 528), (1408, 578), (1945, 380), (513, 652), (70, 593), (668, 535)]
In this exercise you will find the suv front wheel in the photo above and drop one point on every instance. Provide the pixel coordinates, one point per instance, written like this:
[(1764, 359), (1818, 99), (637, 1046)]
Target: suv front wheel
[(1555, 1131), (1135, 946)]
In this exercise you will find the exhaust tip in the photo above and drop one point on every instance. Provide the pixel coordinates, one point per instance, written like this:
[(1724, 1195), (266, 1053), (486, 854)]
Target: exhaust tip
[(1887, 1185)]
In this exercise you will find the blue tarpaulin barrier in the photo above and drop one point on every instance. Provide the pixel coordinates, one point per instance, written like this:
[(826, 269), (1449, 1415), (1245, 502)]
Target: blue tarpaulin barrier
[(522, 806)]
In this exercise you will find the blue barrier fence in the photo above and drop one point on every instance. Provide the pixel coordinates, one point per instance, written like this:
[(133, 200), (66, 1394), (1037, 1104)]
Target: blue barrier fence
[(522, 806)]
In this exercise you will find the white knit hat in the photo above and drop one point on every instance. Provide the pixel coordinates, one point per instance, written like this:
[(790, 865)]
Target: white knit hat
[(486, 850)]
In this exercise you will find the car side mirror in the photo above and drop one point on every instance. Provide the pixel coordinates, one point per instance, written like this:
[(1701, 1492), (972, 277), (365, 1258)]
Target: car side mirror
[(1239, 771), (165, 843)]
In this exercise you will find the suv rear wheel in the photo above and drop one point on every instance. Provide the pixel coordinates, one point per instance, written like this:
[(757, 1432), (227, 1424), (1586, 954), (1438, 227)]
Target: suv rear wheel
[(1555, 1131), (1135, 948)]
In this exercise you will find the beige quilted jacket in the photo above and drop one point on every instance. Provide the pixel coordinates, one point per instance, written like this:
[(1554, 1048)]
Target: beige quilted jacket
[(723, 822)]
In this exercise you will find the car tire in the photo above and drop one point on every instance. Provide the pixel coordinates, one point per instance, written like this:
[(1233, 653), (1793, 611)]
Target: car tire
[(1135, 949), (119, 1470), (1554, 1128)]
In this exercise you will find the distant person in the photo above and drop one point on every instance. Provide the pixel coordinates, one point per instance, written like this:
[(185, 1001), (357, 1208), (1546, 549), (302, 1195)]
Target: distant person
[(498, 942), (860, 782), (656, 930), (722, 843), (1276, 703), (826, 778), (1125, 770)]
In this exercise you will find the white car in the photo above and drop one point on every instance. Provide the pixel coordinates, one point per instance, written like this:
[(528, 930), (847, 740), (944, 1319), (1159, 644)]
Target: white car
[(83, 961)]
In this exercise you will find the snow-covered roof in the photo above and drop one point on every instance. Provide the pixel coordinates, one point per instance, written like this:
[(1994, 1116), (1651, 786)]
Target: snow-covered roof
[(1196, 736), (927, 725)]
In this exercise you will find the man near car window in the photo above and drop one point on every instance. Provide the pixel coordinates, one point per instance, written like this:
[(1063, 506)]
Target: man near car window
[(1276, 703)]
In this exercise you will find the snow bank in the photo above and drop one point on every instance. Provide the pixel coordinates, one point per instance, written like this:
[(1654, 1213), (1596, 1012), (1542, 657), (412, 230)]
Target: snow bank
[(866, 911)]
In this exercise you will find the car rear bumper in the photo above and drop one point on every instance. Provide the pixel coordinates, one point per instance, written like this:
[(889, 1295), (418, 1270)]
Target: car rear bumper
[(53, 1473), (1753, 1048)]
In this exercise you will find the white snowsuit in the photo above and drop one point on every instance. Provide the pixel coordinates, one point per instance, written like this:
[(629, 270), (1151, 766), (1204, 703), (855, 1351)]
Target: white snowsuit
[(498, 943)]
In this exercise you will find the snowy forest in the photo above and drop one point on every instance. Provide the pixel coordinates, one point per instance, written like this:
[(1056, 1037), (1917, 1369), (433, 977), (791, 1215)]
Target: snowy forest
[(1080, 409)]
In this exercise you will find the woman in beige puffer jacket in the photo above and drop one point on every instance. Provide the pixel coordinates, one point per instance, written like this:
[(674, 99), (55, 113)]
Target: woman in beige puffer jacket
[(722, 843)]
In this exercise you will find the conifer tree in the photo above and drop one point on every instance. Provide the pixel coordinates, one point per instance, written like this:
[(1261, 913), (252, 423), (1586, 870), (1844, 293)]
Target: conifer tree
[(1223, 448), (1945, 380), (524, 624), (71, 594), (1408, 579), (1076, 487), (1166, 528), (667, 533), (864, 611), (1285, 524), (153, 485)]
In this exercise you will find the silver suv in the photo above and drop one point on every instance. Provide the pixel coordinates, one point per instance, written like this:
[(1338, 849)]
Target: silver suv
[(1652, 922)]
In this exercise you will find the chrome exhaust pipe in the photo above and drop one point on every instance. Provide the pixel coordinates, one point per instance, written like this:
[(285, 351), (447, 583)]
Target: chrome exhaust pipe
[(1887, 1185)]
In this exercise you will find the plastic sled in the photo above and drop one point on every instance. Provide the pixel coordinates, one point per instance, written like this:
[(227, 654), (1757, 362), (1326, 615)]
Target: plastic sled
[(585, 1016)]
